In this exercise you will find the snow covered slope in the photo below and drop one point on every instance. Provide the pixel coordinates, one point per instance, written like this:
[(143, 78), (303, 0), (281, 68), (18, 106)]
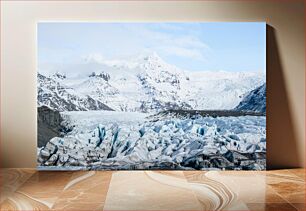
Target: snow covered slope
[(52, 93), (148, 84), (254, 101)]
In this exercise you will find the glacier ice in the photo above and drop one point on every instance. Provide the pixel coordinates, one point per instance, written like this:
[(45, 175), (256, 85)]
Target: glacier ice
[(103, 142)]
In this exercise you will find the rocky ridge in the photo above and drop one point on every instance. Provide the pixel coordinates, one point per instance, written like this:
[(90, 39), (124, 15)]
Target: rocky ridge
[(255, 100), (55, 95)]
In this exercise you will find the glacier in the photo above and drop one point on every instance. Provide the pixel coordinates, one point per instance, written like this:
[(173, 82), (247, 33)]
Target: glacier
[(134, 140)]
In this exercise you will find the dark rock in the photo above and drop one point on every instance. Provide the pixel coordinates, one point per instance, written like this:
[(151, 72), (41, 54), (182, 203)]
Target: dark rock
[(49, 125), (254, 101), (234, 156), (103, 75), (221, 162), (260, 155), (244, 163)]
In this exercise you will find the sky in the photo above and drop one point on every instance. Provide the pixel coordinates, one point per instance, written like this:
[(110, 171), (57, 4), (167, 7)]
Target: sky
[(197, 46)]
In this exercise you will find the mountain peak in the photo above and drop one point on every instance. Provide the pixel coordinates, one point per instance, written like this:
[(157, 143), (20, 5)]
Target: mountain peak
[(102, 75), (59, 75), (151, 57), (94, 58)]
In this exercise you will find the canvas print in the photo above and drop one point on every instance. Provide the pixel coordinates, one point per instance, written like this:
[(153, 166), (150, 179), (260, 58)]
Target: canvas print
[(129, 96)]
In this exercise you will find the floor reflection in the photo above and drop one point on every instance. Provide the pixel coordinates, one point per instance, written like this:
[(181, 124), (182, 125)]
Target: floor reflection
[(27, 189)]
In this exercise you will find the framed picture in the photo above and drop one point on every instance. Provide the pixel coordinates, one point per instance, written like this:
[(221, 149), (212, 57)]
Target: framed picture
[(125, 96)]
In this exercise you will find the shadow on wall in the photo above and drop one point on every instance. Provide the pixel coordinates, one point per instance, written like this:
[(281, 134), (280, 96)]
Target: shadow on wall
[(281, 141)]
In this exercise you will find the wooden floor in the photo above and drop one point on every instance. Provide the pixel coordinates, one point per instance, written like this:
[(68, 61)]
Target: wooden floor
[(27, 189)]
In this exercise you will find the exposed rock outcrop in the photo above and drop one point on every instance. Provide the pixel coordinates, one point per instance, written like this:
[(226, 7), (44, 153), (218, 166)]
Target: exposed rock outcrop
[(254, 101), (48, 122)]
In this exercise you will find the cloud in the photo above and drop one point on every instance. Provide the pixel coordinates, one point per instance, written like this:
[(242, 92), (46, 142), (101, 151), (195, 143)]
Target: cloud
[(97, 57), (182, 52), (173, 42), (190, 42)]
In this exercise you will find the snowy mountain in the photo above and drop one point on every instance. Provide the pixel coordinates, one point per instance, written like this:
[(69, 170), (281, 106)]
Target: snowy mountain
[(145, 83), (52, 93), (254, 101)]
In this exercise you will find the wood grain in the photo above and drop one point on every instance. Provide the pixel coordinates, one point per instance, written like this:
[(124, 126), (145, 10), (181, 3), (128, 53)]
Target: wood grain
[(27, 189)]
